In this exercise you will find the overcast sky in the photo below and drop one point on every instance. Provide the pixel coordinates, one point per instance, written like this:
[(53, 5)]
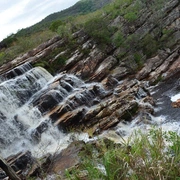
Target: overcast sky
[(18, 14)]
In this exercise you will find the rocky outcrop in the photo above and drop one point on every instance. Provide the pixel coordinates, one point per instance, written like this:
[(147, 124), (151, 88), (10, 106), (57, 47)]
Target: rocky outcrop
[(91, 106), (34, 55), (161, 67), (21, 163)]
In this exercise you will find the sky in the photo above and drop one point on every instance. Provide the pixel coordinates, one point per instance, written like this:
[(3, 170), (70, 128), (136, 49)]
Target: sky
[(18, 14)]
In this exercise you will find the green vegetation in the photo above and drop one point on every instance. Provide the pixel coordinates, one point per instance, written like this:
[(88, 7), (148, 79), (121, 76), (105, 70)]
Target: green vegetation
[(54, 25), (81, 7), (61, 23), (98, 29), (54, 61), (99, 25), (23, 44), (151, 155)]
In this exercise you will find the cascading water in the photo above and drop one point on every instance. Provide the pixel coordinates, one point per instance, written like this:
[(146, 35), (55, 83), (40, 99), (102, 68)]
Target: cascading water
[(165, 93), (14, 95), (33, 103), (25, 99), (164, 116)]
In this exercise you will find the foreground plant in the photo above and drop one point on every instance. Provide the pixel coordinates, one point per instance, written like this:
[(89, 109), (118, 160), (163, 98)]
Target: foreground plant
[(144, 156)]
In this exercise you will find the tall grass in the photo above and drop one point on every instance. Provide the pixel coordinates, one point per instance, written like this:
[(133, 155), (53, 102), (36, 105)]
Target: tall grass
[(24, 44), (154, 155)]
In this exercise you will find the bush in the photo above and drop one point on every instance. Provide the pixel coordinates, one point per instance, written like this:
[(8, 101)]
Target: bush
[(98, 29), (149, 45), (2, 56), (118, 39), (54, 25), (131, 16), (8, 41), (138, 59)]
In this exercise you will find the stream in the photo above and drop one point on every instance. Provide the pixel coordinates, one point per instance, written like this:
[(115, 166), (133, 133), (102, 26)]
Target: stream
[(24, 86)]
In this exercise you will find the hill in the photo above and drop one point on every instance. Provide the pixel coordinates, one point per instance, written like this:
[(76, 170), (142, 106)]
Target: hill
[(81, 7), (26, 39)]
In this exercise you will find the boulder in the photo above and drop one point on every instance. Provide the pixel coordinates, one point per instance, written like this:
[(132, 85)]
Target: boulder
[(66, 159)]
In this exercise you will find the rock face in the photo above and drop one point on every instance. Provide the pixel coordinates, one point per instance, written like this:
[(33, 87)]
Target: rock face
[(20, 163), (160, 67), (72, 104)]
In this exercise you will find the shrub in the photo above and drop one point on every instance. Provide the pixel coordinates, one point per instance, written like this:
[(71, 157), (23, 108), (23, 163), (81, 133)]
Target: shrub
[(54, 25), (131, 16), (118, 39), (149, 45), (2, 56), (138, 59), (99, 30), (8, 41)]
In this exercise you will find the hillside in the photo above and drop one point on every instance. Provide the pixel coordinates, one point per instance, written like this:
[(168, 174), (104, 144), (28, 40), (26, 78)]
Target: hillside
[(25, 39), (81, 7)]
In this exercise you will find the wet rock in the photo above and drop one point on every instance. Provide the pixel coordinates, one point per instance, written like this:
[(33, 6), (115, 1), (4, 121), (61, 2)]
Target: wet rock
[(36, 134), (71, 119), (21, 163), (48, 101), (144, 118), (68, 158), (17, 71), (176, 104)]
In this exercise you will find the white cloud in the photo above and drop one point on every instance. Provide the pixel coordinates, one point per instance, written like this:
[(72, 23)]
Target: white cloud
[(21, 14)]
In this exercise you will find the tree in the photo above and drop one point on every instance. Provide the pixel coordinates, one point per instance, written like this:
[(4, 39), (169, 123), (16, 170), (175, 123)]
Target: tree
[(54, 25)]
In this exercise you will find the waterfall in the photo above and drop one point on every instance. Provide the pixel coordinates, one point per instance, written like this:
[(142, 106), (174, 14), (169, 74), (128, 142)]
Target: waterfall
[(26, 96), (33, 105), (17, 116)]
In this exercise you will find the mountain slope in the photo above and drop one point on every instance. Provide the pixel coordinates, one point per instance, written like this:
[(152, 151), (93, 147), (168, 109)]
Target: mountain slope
[(26, 39), (81, 7)]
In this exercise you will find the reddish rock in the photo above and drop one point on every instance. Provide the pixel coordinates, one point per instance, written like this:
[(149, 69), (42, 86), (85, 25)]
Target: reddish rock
[(66, 159), (176, 104)]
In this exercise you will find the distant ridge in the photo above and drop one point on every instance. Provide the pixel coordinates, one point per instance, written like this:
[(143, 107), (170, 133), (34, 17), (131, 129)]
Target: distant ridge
[(81, 7)]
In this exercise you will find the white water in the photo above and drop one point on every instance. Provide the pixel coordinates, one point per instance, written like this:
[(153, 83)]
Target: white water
[(166, 117), (19, 118), (175, 97), (14, 95)]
